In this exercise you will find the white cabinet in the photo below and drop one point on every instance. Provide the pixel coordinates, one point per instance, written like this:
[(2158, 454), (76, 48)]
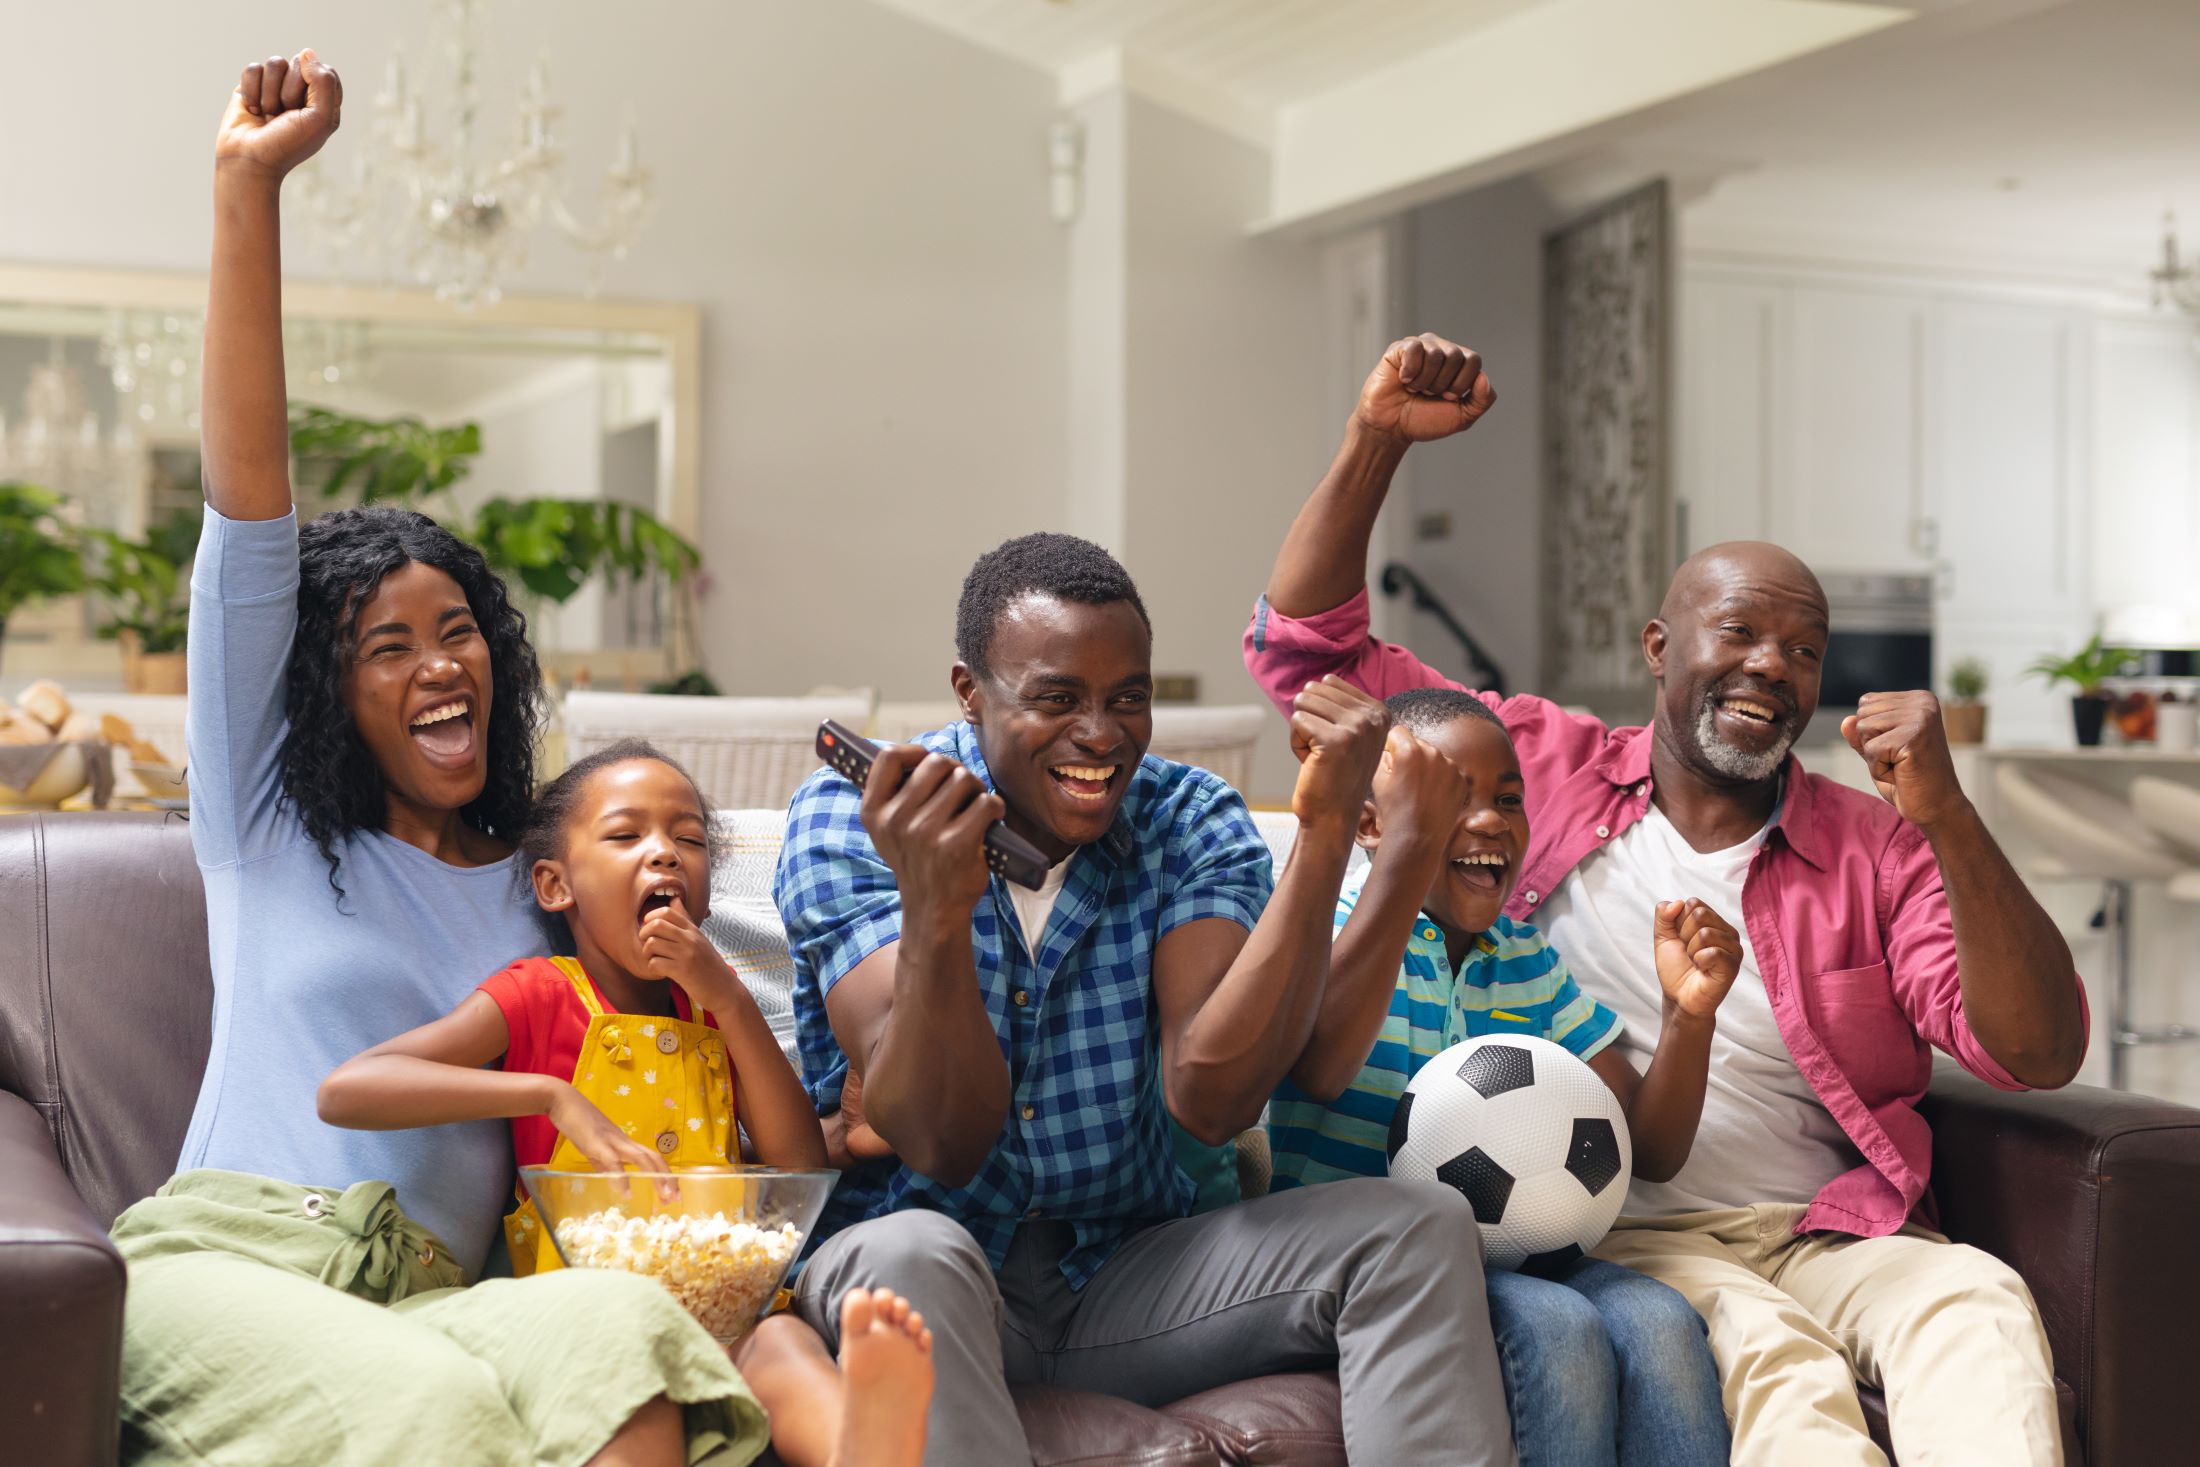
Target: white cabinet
[(2004, 410), (1852, 487), (1728, 405)]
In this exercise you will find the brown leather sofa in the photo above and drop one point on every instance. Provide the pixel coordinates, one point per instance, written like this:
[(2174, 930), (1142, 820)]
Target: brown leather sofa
[(104, 1001)]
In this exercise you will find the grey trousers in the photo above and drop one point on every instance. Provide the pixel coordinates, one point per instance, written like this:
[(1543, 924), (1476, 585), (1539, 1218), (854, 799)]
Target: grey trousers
[(1381, 1278)]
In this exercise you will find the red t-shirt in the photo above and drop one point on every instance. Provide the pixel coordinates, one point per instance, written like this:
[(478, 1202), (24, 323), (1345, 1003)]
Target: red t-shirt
[(548, 1021)]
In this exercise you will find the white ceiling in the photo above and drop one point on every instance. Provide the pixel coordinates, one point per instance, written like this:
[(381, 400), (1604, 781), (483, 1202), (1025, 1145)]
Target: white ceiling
[(2037, 135), (2051, 140), (1256, 54)]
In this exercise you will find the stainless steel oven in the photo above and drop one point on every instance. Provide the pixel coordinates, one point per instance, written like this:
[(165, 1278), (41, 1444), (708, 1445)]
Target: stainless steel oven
[(1882, 637)]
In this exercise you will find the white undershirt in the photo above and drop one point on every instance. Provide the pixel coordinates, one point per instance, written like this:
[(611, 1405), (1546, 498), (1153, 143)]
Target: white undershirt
[(1034, 908), (1765, 1137)]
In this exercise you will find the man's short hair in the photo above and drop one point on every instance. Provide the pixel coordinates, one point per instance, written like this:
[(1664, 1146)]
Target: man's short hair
[(1061, 566), (1425, 710)]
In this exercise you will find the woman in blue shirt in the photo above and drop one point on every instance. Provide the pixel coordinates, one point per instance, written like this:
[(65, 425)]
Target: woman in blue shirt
[(363, 707)]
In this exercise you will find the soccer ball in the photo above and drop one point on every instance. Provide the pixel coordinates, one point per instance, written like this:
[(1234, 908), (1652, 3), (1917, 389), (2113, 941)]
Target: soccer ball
[(1529, 1135)]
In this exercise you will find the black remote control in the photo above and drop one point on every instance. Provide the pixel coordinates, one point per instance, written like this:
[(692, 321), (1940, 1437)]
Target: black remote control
[(1008, 853)]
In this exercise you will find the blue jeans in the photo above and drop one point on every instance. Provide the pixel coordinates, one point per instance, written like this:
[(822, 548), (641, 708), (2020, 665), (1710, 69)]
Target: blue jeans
[(1605, 1367)]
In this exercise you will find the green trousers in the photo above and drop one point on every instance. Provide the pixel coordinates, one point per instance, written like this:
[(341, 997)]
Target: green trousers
[(268, 1322)]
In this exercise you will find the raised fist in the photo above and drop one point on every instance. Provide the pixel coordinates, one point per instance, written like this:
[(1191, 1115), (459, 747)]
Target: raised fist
[(1902, 739), (1338, 734), (1699, 955), (1425, 388), (1417, 788), (280, 114)]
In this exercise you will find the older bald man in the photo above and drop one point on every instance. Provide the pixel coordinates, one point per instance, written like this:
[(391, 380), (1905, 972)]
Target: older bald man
[(1876, 931)]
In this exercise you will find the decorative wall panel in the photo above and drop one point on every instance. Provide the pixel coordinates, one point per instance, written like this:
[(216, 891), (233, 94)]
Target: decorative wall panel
[(1606, 518)]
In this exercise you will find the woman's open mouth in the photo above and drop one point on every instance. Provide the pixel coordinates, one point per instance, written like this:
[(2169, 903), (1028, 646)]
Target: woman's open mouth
[(1088, 784), (445, 733)]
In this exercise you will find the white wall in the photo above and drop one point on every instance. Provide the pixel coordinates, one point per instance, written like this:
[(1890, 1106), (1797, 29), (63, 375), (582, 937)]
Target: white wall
[(1199, 417), (1475, 274), (1229, 423), (857, 202)]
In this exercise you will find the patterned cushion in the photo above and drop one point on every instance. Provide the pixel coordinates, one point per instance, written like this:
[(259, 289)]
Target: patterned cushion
[(743, 924)]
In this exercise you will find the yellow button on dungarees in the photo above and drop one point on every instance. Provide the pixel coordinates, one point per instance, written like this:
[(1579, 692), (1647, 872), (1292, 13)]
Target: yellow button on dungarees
[(665, 1082)]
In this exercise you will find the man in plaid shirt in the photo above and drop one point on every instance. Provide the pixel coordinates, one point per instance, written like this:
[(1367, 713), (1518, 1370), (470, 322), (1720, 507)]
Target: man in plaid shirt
[(1017, 1056)]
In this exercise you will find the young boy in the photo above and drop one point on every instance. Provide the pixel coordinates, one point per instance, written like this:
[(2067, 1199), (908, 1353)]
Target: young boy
[(1601, 1364)]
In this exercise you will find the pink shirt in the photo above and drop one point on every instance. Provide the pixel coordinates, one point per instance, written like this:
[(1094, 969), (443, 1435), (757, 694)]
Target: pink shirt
[(1844, 906)]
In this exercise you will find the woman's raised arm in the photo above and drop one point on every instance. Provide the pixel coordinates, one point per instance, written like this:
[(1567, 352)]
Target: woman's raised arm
[(280, 114)]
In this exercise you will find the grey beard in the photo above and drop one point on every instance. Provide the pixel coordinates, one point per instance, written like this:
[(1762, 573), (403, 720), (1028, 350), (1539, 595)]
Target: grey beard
[(1735, 763)]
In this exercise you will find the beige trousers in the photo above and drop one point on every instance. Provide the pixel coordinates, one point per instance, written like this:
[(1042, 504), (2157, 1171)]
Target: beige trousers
[(1948, 1333)]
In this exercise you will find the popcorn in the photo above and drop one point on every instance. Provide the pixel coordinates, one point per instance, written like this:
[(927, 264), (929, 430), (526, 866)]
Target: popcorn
[(722, 1271)]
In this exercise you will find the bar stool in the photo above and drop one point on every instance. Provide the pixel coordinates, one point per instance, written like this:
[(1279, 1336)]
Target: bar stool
[(2094, 836)]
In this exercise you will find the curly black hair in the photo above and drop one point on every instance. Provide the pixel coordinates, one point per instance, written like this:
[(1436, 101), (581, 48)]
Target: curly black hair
[(1424, 710), (1061, 566), (329, 777)]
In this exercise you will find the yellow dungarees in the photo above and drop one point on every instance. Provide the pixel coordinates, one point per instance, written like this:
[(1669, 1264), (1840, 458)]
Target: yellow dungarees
[(665, 1082)]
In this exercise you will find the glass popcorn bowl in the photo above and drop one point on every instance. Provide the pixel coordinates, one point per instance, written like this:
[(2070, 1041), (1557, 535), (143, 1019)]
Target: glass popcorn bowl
[(720, 1238)]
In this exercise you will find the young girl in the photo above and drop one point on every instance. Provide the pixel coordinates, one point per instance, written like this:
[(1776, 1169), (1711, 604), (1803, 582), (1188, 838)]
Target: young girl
[(640, 1051)]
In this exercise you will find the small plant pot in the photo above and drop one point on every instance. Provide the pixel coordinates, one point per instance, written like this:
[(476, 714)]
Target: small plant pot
[(1966, 722), (2088, 712), (150, 672)]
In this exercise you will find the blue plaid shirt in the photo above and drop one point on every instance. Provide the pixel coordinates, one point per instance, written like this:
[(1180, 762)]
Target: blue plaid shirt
[(1087, 1136)]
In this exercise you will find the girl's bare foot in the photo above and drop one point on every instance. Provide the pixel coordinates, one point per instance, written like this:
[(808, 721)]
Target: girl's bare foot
[(886, 1380)]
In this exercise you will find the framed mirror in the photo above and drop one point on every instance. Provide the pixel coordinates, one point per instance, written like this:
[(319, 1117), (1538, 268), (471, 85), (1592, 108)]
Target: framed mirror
[(577, 400)]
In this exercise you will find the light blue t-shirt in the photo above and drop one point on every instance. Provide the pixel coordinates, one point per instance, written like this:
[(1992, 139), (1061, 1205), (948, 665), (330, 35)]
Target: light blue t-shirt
[(302, 984)]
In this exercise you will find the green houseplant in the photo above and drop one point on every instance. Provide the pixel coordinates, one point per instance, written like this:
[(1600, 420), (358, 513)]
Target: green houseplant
[(1964, 715), (550, 546), (2086, 670), (148, 599), (38, 552)]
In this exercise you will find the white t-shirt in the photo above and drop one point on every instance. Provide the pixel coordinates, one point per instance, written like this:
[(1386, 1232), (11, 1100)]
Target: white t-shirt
[(1034, 908), (1765, 1136)]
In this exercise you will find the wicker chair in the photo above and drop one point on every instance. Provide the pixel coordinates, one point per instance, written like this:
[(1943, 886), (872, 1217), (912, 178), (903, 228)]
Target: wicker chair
[(900, 723), (1217, 739), (744, 752)]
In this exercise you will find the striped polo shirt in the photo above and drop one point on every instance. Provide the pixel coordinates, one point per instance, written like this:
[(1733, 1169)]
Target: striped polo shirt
[(1513, 983)]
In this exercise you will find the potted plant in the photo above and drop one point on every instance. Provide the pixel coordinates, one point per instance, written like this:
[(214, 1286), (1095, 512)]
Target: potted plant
[(148, 600), (1965, 715), (2086, 670), (38, 554)]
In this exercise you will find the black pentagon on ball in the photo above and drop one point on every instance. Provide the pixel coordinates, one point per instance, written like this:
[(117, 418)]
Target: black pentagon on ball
[(1594, 1156), (1398, 1124), (1547, 1265), (1496, 1068), (1484, 1183)]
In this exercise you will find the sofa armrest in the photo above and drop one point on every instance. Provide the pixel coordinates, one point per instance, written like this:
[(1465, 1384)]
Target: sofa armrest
[(2090, 1195), (61, 1284)]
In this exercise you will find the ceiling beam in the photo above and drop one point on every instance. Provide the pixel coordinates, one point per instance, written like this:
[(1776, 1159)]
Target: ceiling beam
[(1514, 94)]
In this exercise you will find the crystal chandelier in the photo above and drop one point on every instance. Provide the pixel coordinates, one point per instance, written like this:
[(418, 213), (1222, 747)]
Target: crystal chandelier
[(439, 212), (2175, 282)]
